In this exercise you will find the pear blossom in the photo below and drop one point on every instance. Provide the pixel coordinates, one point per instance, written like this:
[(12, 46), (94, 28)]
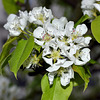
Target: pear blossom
[(62, 44), (65, 75), (75, 35), (59, 64), (42, 36), (90, 7), (31, 62), (81, 57), (55, 56), (23, 18), (12, 25), (40, 15), (15, 24), (57, 27), (49, 31)]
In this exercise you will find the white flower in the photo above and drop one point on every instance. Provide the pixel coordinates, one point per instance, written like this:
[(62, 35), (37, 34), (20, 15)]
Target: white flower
[(75, 35), (23, 18), (42, 36), (72, 32), (65, 78), (12, 25), (55, 57), (40, 15), (97, 6), (81, 57), (88, 12), (90, 7), (65, 75), (87, 4), (31, 62), (59, 24), (15, 23)]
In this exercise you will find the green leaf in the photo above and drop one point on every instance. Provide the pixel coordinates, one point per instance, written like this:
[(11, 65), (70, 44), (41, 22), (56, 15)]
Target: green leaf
[(20, 54), (21, 1), (6, 49), (5, 61), (84, 74), (55, 92), (93, 62), (10, 6), (9, 41), (95, 27), (77, 80), (37, 47), (82, 19)]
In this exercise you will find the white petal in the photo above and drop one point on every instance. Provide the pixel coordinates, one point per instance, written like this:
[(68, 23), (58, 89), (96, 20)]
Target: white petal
[(87, 40), (67, 64), (46, 51), (59, 24), (69, 28), (48, 60), (64, 79), (60, 62), (23, 23), (39, 42), (51, 77), (14, 33), (53, 68), (97, 6), (48, 13), (85, 55), (31, 17), (39, 32), (64, 20), (6, 26), (88, 12), (79, 40), (81, 29), (11, 17), (87, 4), (50, 29), (78, 62)]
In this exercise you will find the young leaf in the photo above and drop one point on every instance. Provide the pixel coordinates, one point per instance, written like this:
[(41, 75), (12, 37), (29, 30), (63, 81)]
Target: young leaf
[(55, 92), (6, 49), (37, 47), (5, 61), (83, 74), (20, 54), (10, 40), (77, 80), (95, 27), (10, 6), (82, 19)]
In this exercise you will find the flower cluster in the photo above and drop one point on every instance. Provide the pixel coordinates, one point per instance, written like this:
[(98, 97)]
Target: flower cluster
[(90, 7), (62, 44)]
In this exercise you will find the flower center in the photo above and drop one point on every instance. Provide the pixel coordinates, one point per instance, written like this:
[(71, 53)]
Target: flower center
[(55, 54), (35, 60), (46, 37), (60, 70), (41, 18), (77, 54), (74, 36)]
